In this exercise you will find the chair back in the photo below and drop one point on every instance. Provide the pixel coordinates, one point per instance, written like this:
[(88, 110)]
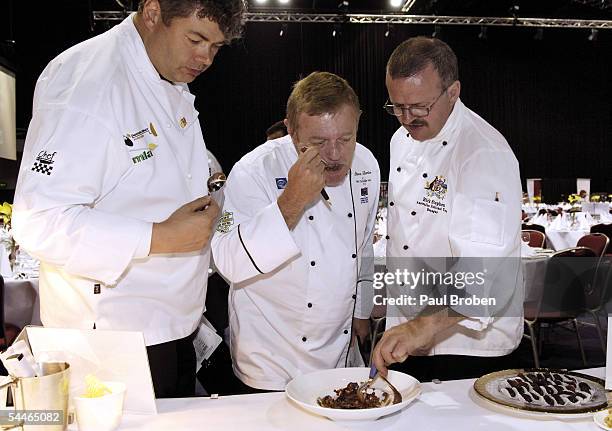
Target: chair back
[(606, 229), (537, 227), (598, 242), (569, 275), (536, 238)]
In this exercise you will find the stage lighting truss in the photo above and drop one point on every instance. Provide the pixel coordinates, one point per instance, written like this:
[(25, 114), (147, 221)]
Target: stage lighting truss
[(287, 17)]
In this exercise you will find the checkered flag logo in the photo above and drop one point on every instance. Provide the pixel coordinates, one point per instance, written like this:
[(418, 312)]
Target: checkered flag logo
[(42, 168)]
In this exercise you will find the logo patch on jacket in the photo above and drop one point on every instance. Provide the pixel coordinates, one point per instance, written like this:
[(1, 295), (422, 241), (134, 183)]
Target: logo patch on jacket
[(147, 153), (437, 188), (226, 221), (281, 183), (364, 195), (44, 162), (129, 138)]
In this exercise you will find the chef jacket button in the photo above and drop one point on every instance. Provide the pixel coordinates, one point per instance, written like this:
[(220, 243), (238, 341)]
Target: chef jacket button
[(424, 174), (405, 247), (312, 263), (346, 331), (304, 339), (350, 215), (444, 143), (391, 204), (353, 255), (386, 236), (310, 217), (399, 169), (354, 296), (310, 305), (413, 213)]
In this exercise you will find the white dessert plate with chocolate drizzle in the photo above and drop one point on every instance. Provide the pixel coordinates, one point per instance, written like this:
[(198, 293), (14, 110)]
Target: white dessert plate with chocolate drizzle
[(543, 391)]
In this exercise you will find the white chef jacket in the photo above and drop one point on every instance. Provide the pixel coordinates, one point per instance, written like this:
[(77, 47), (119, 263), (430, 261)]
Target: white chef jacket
[(110, 150), (470, 164), (293, 291)]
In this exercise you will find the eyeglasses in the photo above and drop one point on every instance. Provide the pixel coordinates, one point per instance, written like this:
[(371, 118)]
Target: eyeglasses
[(414, 111)]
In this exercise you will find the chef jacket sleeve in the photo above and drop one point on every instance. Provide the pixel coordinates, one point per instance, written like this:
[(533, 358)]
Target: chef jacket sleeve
[(485, 236), (252, 237), (71, 162), (365, 286)]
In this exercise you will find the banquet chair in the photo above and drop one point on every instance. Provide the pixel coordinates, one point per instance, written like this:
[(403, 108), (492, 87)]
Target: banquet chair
[(569, 273), (606, 229), (537, 227), (598, 242), (598, 296), (536, 238)]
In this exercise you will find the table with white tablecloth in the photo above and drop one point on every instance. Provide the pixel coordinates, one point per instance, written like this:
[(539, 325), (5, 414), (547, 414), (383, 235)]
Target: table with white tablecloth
[(562, 239), (450, 405)]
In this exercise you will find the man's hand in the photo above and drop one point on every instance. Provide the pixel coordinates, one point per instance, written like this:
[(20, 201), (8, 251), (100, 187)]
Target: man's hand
[(305, 181), (415, 336), (188, 229), (361, 330)]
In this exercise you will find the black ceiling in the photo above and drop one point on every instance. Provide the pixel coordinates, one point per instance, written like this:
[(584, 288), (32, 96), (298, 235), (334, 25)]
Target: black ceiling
[(580, 9)]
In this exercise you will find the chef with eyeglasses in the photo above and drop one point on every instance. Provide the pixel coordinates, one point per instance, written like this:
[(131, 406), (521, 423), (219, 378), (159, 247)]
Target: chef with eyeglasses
[(454, 206), (295, 240)]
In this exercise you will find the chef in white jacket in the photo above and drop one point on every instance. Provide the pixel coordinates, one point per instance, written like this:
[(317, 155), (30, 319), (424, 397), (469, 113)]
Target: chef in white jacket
[(454, 192), (111, 192), (300, 267)]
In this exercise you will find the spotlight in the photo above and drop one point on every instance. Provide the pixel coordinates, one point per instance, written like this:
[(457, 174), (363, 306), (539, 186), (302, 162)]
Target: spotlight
[(539, 34), (337, 31), (395, 3), (283, 30), (283, 1), (388, 32), (261, 1), (436, 32), (593, 36), (483, 33), (343, 6)]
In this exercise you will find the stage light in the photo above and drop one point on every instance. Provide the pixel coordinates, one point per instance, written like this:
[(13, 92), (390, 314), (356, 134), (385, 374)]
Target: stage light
[(395, 3), (593, 36), (283, 30), (436, 32), (283, 1), (483, 33), (261, 1), (539, 34)]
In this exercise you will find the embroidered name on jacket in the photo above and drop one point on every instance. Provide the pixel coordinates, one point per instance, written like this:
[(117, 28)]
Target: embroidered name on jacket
[(44, 162)]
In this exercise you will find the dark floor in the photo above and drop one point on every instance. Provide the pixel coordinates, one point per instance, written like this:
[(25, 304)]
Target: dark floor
[(560, 347)]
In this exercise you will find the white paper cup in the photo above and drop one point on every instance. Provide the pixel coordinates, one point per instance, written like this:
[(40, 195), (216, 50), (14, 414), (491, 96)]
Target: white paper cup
[(101, 413)]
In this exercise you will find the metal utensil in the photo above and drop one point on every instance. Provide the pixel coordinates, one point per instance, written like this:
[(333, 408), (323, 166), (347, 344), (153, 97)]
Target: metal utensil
[(216, 181), (389, 389)]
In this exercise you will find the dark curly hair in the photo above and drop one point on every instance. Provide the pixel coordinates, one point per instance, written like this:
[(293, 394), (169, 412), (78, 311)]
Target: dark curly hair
[(228, 14)]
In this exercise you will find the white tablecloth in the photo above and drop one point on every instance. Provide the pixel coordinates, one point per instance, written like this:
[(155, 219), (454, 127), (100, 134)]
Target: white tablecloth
[(21, 302), (449, 406), (562, 239)]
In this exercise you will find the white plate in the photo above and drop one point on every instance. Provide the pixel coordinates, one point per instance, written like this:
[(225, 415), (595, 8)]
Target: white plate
[(305, 389), (599, 417)]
